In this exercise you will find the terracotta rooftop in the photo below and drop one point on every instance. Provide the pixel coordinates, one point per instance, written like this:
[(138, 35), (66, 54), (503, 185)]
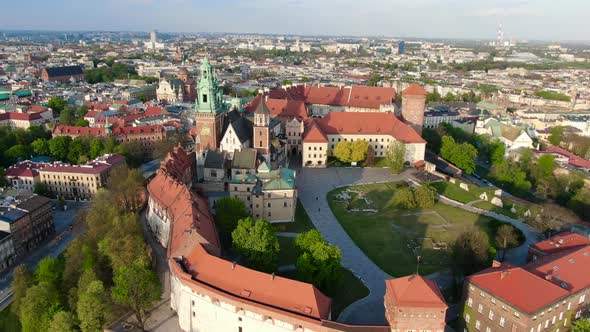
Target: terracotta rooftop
[(286, 294), (414, 90), (518, 287), (370, 123), (314, 134), (415, 291), (561, 242), (568, 270), (280, 107)]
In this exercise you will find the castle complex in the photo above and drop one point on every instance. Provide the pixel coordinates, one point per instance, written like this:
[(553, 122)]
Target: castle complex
[(211, 294)]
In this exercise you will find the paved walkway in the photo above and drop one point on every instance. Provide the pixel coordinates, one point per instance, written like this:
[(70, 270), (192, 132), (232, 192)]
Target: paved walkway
[(287, 234), (316, 183)]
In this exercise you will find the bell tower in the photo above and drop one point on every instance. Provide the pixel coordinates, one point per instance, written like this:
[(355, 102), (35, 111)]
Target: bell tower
[(208, 111), (261, 137)]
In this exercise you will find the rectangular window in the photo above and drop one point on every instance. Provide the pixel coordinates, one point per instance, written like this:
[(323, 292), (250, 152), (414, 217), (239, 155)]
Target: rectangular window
[(467, 318), (480, 308), (582, 298), (477, 324), (491, 315), (204, 98), (470, 302), (502, 321)]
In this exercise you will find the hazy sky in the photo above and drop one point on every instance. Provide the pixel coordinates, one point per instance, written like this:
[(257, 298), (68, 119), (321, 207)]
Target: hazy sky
[(523, 19)]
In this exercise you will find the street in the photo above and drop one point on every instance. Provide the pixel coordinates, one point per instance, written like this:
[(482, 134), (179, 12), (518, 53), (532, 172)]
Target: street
[(51, 248)]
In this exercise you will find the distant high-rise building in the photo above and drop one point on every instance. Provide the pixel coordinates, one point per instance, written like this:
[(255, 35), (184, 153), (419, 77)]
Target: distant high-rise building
[(500, 38), (401, 47), (153, 36)]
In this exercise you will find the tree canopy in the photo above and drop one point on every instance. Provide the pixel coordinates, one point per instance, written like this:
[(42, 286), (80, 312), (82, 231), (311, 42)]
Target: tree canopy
[(461, 155), (470, 251), (257, 243), (228, 211), (318, 261), (395, 155)]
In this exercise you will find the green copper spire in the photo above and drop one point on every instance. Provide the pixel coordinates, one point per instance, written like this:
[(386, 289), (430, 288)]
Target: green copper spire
[(209, 96)]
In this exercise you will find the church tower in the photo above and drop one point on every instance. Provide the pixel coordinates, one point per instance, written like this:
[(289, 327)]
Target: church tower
[(261, 137), (208, 111)]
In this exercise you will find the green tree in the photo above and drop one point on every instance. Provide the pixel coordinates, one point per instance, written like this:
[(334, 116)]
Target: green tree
[(556, 135), (581, 325), (461, 155), (424, 196), (38, 307), (41, 188), (319, 262), (358, 150), (22, 279), (550, 218), (76, 149), (543, 168), (343, 152), (57, 104), (40, 147), (506, 237), (63, 321), (228, 211), (92, 307), (470, 252), (58, 147), (136, 288), (395, 155), (525, 160), (257, 242), (96, 147), (50, 270), (67, 117), (17, 152), (404, 198), (82, 123), (433, 139), (497, 152), (123, 242), (126, 187), (109, 145)]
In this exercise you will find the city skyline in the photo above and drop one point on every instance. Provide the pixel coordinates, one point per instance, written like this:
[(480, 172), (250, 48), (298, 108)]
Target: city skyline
[(522, 19)]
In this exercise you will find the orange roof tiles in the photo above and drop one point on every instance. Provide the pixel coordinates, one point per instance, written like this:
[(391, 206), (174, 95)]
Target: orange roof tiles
[(286, 294), (369, 123), (280, 107), (414, 90), (568, 270), (415, 291), (561, 242), (518, 287), (314, 134)]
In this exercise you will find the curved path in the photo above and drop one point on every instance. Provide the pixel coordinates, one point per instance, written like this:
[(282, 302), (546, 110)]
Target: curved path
[(314, 185)]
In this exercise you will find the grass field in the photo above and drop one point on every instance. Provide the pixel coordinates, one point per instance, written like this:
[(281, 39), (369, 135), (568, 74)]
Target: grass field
[(288, 253), (454, 192), (394, 237)]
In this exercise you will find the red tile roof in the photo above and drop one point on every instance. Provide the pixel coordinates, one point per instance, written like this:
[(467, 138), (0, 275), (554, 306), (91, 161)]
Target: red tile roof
[(574, 160), (37, 109), (353, 96), (20, 116), (561, 242), (414, 90), (96, 166), (415, 291), (569, 269), (287, 294), (369, 123), (25, 169), (190, 218), (73, 130), (518, 287), (280, 107), (314, 134)]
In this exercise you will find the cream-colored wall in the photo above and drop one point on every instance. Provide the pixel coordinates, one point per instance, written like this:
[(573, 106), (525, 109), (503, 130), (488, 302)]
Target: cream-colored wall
[(65, 183), (158, 221), (379, 143), (258, 205), (315, 154), (199, 311)]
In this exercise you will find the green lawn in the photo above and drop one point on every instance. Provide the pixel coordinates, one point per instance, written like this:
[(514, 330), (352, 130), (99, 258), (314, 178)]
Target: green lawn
[(393, 237), (9, 321), (520, 210), (454, 192), (301, 224), (348, 290)]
